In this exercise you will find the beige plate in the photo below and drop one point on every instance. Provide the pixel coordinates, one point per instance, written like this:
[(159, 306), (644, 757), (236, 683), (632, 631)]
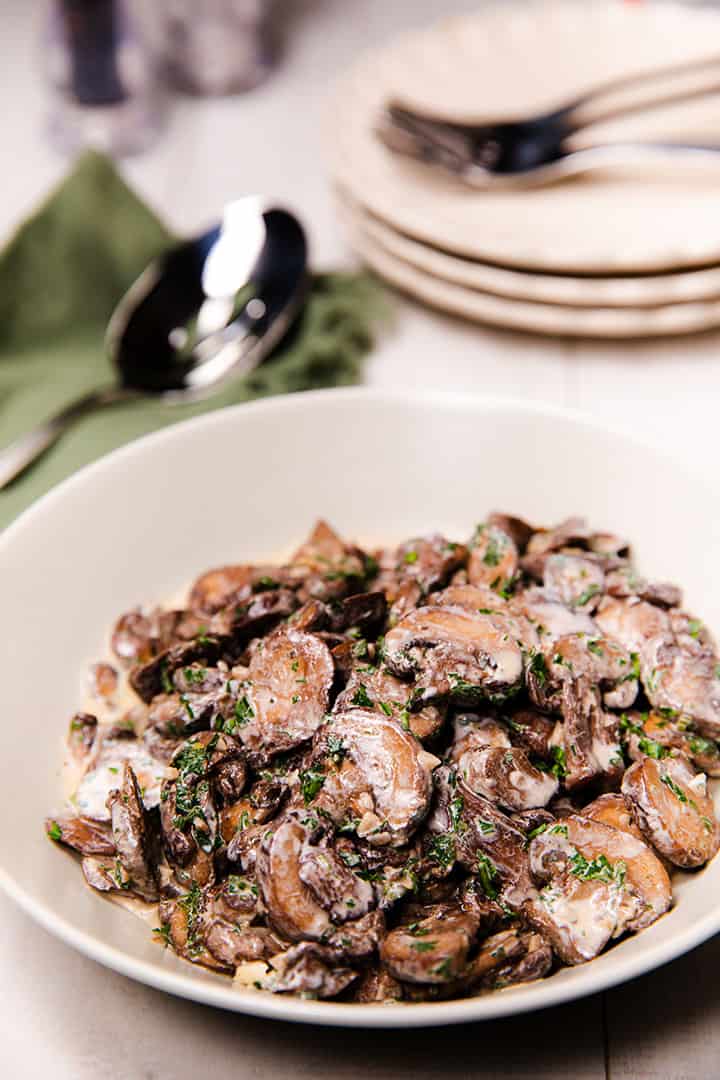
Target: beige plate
[(644, 291), (513, 59), (516, 314)]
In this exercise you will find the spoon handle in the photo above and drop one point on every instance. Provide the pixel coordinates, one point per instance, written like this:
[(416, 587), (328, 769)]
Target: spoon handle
[(25, 450)]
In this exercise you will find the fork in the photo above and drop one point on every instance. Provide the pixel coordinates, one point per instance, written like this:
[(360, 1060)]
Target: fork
[(532, 151)]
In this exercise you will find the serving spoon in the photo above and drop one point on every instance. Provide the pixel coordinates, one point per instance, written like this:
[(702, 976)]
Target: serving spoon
[(207, 311)]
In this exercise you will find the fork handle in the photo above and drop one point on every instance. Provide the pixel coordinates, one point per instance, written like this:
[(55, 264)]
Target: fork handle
[(607, 156), (575, 118), (20, 454)]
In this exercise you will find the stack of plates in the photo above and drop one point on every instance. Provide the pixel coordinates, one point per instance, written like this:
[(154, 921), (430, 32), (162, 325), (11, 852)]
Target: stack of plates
[(621, 254)]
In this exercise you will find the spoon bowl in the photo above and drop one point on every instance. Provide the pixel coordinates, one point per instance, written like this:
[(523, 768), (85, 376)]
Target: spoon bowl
[(205, 312)]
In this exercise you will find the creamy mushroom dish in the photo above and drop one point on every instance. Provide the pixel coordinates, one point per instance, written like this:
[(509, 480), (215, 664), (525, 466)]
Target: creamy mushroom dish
[(427, 772)]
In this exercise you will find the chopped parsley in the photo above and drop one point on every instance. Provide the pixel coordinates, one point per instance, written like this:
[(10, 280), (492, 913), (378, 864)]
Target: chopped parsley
[(386, 707), (191, 905), (423, 946), (455, 810), (362, 698), (557, 764), (311, 781), (163, 932), (493, 552), (652, 748), (458, 685), (243, 710), (264, 583), (597, 869), (194, 675), (240, 886), (699, 745), (442, 850), (411, 557), (594, 647), (336, 748), (538, 668), (165, 679), (487, 874), (586, 596), (54, 831)]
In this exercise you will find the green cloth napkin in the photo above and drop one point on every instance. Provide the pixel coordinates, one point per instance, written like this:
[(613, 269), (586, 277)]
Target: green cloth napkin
[(60, 278)]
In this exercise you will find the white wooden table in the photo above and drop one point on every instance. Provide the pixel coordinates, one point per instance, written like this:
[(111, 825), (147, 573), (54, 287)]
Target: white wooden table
[(64, 1018)]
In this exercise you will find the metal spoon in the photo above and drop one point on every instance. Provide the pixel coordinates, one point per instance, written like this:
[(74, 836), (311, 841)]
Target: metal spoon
[(209, 310)]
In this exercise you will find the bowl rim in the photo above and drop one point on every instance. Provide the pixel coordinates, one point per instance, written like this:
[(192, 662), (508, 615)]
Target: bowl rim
[(513, 1000)]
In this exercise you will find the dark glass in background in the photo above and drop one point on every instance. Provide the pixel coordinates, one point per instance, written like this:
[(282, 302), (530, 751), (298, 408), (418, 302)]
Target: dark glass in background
[(217, 47), (109, 61), (91, 30), (105, 77)]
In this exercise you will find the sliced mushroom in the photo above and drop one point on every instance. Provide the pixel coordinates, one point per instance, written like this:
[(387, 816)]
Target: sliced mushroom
[(673, 809), (101, 873), (631, 622), (432, 950), (429, 561), (133, 836), (304, 886), (341, 893), (312, 970), (572, 531), (234, 945), (552, 619), (377, 985), (102, 681), (489, 846), (493, 558), (612, 809), (532, 732), (85, 835), (188, 813), (81, 736), (600, 660), (217, 589), (653, 735), (624, 582), (376, 777), (254, 618), (684, 682), (518, 530), (453, 655), (183, 924), (508, 957), (472, 731), (327, 567), (377, 688), (575, 581), (508, 778), (286, 695), (131, 639), (110, 752), (589, 736), (482, 600), (197, 694), (691, 633), (154, 677), (598, 882)]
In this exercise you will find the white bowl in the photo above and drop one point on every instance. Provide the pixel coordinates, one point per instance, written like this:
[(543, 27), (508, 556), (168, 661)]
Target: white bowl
[(248, 482)]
